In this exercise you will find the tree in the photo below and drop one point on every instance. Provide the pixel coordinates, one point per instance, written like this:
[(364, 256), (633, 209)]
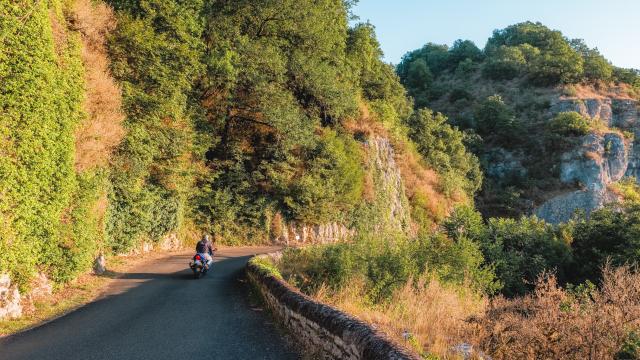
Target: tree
[(463, 50), (596, 67), (506, 63), (494, 118), (521, 250), (442, 147)]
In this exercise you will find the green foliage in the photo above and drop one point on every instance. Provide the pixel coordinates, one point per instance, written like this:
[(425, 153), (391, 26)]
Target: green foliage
[(266, 266), (464, 50), (387, 265), (155, 51), (610, 234), (570, 124), (495, 119), (442, 147), (276, 94), (333, 181), (523, 249), (627, 76), (630, 349), (42, 199), (550, 59), (506, 63)]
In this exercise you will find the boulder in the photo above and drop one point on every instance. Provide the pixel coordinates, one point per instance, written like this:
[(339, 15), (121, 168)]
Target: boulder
[(100, 265), (562, 208), (10, 305)]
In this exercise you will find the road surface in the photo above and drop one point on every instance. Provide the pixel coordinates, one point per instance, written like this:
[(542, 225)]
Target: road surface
[(159, 311)]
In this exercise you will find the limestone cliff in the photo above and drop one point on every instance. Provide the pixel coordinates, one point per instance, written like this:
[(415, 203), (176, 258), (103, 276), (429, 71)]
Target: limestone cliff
[(600, 159), (388, 207)]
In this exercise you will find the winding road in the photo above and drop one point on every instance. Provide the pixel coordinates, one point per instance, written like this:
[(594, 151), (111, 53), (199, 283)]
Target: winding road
[(160, 312)]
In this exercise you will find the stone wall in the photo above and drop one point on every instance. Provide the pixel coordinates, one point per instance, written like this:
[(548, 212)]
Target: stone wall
[(329, 333)]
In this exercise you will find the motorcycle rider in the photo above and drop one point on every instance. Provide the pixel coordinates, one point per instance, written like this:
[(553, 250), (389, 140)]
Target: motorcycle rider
[(205, 249)]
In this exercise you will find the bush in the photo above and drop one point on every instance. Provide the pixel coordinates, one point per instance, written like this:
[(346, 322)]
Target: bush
[(610, 234), (570, 124), (385, 266), (523, 249), (552, 323), (493, 118), (442, 147)]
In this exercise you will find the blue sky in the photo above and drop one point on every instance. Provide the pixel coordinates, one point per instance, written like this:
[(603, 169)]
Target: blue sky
[(613, 26)]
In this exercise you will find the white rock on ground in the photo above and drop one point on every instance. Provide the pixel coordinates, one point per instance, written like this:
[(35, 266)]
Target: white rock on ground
[(100, 265), (10, 306)]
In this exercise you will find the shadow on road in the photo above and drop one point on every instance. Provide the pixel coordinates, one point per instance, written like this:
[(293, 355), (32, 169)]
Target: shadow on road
[(161, 312)]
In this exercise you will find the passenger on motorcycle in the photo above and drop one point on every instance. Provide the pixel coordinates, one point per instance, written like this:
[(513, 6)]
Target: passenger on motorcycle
[(205, 249)]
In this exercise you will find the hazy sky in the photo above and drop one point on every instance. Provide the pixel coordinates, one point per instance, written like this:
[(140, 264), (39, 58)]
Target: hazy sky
[(613, 26)]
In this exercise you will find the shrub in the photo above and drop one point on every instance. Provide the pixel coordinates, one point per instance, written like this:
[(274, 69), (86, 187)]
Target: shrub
[(609, 234), (523, 249), (552, 323), (442, 147), (570, 124), (493, 118)]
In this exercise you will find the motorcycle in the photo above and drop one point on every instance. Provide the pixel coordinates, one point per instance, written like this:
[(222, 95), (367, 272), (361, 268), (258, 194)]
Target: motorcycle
[(199, 266)]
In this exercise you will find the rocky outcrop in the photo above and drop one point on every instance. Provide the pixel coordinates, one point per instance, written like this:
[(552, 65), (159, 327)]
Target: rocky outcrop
[(600, 160), (100, 265), (388, 186), (562, 208), (503, 165), (620, 113), (10, 306), (300, 234)]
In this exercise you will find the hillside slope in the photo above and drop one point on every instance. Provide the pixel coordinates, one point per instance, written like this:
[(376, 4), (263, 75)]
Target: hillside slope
[(508, 99), (128, 124)]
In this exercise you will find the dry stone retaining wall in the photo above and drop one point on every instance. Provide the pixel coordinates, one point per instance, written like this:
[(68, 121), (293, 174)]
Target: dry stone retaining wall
[(329, 332)]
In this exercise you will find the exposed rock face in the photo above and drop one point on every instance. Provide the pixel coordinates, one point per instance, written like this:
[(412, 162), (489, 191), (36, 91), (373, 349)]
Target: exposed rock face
[(171, 242), (10, 306), (503, 164), (298, 234), (601, 159), (620, 113), (561, 208), (389, 188), (40, 287)]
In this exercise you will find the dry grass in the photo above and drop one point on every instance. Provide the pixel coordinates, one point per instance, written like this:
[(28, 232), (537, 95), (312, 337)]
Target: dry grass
[(425, 314), (553, 324), (102, 131), (601, 91), (422, 184), (550, 323)]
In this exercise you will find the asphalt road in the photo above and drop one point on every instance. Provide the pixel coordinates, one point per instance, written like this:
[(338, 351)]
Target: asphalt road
[(160, 312)]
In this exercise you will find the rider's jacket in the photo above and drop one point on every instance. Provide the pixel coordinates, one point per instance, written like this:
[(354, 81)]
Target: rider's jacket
[(204, 247)]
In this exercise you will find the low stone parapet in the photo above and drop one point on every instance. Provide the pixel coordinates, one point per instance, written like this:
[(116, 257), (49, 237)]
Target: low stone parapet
[(326, 331)]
